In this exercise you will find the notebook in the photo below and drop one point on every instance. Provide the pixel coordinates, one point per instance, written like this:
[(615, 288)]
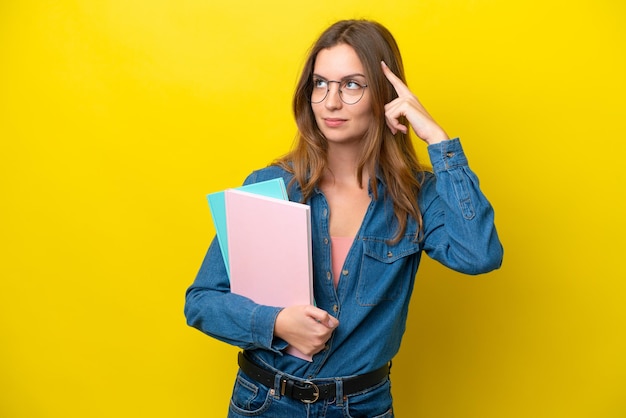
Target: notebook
[(273, 188), (269, 247)]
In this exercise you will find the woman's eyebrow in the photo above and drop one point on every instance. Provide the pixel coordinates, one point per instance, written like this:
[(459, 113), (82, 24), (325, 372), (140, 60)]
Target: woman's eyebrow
[(342, 78)]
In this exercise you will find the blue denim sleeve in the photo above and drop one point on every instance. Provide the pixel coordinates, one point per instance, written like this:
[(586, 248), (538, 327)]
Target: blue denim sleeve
[(213, 309), (459, 229)]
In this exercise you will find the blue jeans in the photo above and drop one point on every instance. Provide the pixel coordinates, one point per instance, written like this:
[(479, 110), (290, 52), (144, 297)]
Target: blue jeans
[(252, 399)]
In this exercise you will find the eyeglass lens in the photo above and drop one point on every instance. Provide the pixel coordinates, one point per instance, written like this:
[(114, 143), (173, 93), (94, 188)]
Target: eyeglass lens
[(350, 92)]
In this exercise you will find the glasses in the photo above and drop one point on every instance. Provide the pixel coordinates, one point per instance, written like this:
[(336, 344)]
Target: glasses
[(350, 91)]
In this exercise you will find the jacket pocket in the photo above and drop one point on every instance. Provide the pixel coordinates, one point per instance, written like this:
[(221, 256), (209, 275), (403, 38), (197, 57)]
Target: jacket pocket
[(385, 270)]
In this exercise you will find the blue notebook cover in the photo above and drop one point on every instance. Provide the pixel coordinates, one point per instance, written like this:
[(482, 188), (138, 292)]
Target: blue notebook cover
[(271, 188)]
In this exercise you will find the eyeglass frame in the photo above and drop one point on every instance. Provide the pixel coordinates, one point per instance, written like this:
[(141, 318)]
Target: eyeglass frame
[(340, 82)]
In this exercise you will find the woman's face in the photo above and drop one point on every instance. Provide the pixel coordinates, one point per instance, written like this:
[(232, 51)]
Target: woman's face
[(338, 121)]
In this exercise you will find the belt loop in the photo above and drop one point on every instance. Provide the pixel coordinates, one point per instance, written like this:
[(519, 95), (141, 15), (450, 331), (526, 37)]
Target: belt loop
[(278, 388), (339, 391)]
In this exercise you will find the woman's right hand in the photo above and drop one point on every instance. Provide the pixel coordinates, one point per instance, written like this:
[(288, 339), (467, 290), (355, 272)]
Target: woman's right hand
[(408, 105), (305, 327)]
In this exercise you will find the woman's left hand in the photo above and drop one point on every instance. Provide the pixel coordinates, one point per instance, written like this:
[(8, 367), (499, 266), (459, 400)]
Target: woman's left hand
[(408, 105)]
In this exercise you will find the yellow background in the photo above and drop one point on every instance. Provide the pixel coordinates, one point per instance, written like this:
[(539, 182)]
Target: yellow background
[(117, 117)]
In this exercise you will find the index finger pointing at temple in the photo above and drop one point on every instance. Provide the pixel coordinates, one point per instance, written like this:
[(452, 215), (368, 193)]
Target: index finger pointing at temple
[(395, 81)]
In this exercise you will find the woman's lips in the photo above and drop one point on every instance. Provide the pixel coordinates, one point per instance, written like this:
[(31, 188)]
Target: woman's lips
[(334, 122)]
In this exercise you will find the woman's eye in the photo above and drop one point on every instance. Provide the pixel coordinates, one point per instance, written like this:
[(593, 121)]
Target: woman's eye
[(319, 84), (352, 85)]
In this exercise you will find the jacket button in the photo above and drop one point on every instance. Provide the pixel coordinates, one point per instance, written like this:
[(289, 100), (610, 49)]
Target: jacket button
[(335, 308), (389, 254)]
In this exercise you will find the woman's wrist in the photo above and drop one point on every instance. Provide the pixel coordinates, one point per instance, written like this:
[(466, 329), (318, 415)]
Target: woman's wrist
[(437, 137)]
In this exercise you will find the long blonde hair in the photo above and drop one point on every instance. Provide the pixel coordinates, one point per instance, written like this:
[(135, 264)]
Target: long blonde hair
[(393, 156)]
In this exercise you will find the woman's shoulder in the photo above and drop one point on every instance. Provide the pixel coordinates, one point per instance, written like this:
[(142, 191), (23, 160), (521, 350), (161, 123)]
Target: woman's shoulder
[(268, 173), (427, 191), (425, 177)]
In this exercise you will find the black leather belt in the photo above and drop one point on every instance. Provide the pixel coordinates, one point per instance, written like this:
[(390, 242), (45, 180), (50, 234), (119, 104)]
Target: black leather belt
[(308, 391)]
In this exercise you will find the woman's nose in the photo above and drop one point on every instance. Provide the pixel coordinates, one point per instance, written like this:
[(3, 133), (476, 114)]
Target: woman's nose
[(333, 100)]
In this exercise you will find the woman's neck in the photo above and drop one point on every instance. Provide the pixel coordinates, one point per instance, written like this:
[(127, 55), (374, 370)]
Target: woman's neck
[(342, 164)]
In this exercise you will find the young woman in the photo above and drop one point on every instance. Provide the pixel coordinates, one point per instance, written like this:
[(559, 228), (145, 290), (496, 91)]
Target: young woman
[(374, 211)]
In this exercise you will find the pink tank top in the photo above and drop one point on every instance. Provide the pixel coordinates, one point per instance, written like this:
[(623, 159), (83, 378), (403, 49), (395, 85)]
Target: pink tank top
[(340, 246)]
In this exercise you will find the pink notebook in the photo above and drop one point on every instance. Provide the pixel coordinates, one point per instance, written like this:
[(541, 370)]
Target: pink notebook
[(269, 247)]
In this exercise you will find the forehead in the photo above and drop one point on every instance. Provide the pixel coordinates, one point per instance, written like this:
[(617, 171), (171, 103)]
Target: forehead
[(337, 62)]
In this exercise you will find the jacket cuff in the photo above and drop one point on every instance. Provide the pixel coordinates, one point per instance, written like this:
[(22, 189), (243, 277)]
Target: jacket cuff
[(447, 155), (263, 320)]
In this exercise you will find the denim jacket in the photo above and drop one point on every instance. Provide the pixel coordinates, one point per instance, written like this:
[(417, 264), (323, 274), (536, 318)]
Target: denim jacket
[(372, 298)]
